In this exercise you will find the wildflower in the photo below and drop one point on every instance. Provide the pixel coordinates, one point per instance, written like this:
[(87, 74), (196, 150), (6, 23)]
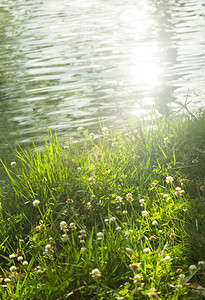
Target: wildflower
[(105, 130), (13, 164), (36, 202), (201, 264), (152, 293), (91, 136), (112, 219), (99, 236), (66, 147), (48, 248), (144, 213), (64, 238), (82, 241), (79, 169), (81, 130), (129, 197), (192, 269), (179, 271), (91, 180), (127, 234), (181, 276), (69, 201), (137, 278), (134, 266), (82, 232), (169, 179), (13, 269), (95, 273), (106, 220), (202, 188), (129, 251), (165, 196), (195, 161), (166, 141), (153, 184), (89, 205), (63, 225), (142, 202), (12, 255), (118, 228), (178, 192), (25, 263), (51, 240), (83, 250), (19, 258), (124, 212), (118, 199), (7, 280), (147, 250), (72, 226)]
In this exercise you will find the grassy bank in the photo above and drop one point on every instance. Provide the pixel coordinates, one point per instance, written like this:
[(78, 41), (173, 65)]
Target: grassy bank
[(116, 216)]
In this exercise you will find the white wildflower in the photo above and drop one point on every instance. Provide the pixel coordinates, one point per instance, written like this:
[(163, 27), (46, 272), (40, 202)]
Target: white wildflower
[(169, 179), (63, 225), (13, 164), (95, 273), (36, 202)]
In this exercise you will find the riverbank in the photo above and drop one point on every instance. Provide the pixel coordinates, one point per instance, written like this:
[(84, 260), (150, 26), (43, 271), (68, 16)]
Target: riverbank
[(116, 216)]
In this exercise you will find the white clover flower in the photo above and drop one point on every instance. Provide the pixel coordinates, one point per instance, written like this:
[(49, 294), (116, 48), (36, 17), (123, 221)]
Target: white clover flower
[(79, 169), (91, 180), (147, 250), (7, 280), (63, 225), (169, 179), (82, 232), (89, 205), (64, 238), (13, 269), (95, 273), (48, 248), (20, 258), (124, 212), (13, 164), (129, 251), (165, 195), (112, 219), (181, 276), (118, 199), (25, 263), (178, 192), (36, 202), (81, 130), (91, 136), (142, 202), (106, 220), (201, 264), (66, 147), (195, 161), (105, 130), (72, 226), (192, 269), (154, 222), (82, 241), (99, 235), (127, 234), (83, 250), (118, 228), (137, 278), (166, 141), (144, 213), (12, 255)]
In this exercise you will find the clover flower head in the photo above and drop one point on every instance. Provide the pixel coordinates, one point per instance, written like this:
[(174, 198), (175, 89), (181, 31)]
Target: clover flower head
[(154, 222), (64, 238), (165, 196), (13, 164), (144, 213), (124, 212), (12, 255), (178, 192), (13, 269), (167, 258), (91, 136), (137, 278), (201, 264), (105, 130), (81, 130), (99, 236), (129, 251), (95, 273), (142, 202), (25, 263), (48, 248), (112, 219), (118, 199), (118, 228), (83, 250), (63, 225), (169, 179), (20, 258), (89, 206), (91, 180), (166, 141), (192, 269), (134, 266), (147, 250), (36, 202), (72, 226)]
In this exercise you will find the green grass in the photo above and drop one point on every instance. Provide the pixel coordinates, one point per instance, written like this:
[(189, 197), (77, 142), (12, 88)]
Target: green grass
[(80, 184)]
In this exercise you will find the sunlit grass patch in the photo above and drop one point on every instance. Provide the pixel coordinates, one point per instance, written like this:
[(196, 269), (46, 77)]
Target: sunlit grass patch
[(110, 217)]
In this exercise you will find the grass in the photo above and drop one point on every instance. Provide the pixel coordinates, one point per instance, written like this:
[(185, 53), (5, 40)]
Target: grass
[(109, 222)]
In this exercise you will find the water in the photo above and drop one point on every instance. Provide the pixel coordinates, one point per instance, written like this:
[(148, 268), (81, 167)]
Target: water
[(63, 63)]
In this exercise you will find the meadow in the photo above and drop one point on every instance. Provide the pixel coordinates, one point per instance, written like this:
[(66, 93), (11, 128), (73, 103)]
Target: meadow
[(117, 215)]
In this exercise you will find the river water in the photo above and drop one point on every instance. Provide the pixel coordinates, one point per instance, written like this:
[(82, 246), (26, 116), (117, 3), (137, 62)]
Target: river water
[(65, 64)]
